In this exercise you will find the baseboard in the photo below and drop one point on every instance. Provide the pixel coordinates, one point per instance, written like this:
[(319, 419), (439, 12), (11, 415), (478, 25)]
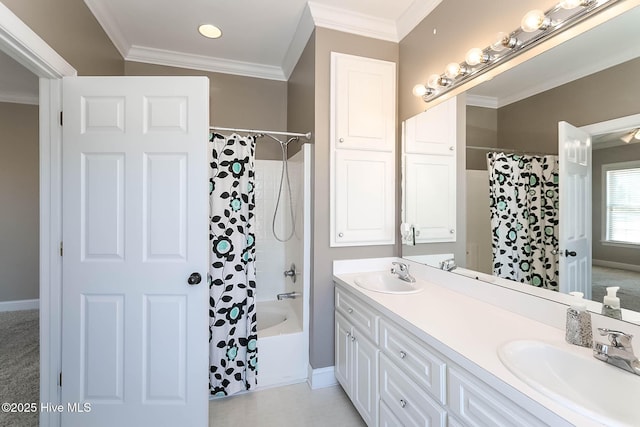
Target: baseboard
[(25, 304), (322, 377), (618, 265)]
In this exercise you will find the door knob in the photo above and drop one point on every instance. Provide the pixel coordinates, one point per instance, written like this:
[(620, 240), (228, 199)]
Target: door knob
[(569, 253), (194, 279)]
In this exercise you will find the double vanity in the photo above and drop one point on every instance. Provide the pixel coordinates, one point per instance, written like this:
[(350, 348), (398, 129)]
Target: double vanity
[(449, 350)]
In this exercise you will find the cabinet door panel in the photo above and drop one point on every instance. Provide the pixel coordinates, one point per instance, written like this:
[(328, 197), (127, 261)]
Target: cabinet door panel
[(433, 131), (363, 96), (365, 378), (363, 206), (430, 200), (343, 352)]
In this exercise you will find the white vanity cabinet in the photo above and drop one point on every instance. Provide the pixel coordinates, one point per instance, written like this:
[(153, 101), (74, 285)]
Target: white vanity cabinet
[(394, 378), (356, 355)]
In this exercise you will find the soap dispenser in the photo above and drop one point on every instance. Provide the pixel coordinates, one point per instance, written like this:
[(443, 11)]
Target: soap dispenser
[(578, 329), (611, 303)]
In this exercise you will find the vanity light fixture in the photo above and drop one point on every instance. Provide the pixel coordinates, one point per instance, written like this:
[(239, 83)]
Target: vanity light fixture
[(536, 26), (210, 31)]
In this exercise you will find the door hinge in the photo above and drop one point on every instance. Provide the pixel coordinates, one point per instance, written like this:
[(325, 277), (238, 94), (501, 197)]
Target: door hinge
[(61, 118), (60, 380), (61, 250)]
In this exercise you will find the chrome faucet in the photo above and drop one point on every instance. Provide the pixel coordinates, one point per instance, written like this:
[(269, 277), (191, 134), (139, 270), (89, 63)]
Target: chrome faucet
[(448, 264), (288, 295), (402, 271), (619, 351)]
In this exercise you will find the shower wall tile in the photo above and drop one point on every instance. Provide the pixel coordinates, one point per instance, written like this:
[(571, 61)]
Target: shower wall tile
[(270, 253)]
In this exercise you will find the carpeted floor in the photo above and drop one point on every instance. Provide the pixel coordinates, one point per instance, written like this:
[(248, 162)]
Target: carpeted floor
[(629, 282), (19, 365)]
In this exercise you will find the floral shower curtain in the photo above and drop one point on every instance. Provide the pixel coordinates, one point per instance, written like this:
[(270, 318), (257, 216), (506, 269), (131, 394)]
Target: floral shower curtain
[(523, 194), (233, 355)]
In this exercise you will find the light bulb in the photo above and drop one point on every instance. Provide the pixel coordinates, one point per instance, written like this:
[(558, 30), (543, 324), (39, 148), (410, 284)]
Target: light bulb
[(534, 20), (419, 90), (475, 56), (570, 4), (452, 70), (497, 45), (637, 134), (433, 81), (210, 31)]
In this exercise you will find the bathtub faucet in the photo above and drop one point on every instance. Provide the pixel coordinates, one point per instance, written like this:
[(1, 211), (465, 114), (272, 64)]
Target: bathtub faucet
[(288, 295)]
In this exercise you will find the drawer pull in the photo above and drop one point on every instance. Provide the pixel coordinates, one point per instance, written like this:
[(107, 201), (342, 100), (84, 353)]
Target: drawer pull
[(350, 310), (403, 403), (403, 354)]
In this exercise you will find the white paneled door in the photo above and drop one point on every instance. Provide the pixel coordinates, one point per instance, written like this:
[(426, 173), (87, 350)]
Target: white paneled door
[(574, 230), (135, 232)]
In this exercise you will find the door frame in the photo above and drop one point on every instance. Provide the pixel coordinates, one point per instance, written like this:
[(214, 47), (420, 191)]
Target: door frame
[(22, 44)]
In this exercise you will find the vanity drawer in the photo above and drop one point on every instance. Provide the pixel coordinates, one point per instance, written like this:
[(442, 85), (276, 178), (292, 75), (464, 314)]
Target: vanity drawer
[(475, 403), (408, 402), (416, 359), (365, 319)]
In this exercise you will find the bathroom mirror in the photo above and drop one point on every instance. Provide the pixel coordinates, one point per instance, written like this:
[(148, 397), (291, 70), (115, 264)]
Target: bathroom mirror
[(589, 79)]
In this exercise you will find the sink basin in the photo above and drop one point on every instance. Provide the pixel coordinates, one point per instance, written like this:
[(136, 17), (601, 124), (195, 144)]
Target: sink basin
[(386, 283), (576, 380)]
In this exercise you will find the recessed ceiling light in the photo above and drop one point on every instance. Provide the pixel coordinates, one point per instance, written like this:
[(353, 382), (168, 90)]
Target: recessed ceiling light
[(210, 31)]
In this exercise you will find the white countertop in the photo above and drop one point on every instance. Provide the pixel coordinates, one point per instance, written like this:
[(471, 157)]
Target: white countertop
[(469, 332)]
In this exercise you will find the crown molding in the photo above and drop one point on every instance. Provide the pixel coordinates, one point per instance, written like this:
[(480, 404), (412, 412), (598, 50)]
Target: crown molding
[(19, 98), (204, 63), (298, 43), (415, 13), (109, 25), (335, 18), (482, 101)]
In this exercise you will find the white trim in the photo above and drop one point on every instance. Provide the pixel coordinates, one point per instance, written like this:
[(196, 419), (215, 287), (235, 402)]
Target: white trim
[(169, 58), (24, 304), (322, 377), (339, 19), (618, 265), (303, 32), (614, 125), (99, 9), (27, 48), (482, 101), (415, 13), (19, 98), (20, 42)]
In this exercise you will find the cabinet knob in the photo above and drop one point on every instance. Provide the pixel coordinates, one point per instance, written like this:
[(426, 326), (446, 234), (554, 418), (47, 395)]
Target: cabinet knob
[(403, 354), (350, 310), (340, 234), (341, 140), (452, 231), (403, 403), (451, 148), (353, 338), (348, 334)]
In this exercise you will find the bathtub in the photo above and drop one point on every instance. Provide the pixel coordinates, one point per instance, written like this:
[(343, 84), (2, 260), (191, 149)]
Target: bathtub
[(281, 339)]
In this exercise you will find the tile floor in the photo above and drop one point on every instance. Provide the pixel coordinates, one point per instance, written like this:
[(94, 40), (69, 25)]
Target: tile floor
[(294, 405)]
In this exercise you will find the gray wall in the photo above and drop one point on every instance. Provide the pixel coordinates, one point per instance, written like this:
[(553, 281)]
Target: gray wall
[(19, 164), (235, 101), (532, 124), (482, 131), (322, 296), (625, 153), (301, 94)]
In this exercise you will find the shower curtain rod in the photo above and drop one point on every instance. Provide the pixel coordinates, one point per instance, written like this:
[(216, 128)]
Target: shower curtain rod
[(304, 135), (508, 150)]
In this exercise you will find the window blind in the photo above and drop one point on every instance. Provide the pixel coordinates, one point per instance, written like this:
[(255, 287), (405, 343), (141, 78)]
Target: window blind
[(623, 205)]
